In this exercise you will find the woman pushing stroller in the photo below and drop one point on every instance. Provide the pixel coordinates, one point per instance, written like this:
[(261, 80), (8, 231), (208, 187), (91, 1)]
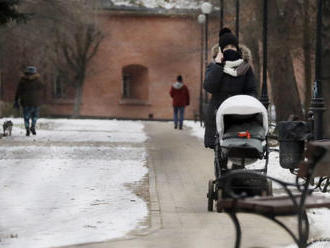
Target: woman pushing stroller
[(230, 74), (236, 125)]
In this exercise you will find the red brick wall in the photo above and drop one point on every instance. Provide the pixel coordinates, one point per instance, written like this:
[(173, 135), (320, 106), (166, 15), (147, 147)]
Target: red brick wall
[(165, 45)]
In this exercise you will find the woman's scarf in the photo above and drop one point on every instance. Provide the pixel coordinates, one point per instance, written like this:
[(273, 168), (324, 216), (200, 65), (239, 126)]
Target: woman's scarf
[(234, 65), (236, 68)]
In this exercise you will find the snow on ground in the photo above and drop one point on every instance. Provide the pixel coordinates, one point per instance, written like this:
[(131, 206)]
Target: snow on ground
[(83, 131), (196, 128), (61, 192), (319, 218), (170, 4)]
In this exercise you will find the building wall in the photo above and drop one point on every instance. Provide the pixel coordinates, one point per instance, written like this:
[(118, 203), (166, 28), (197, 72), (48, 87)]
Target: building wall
[(166, 45)]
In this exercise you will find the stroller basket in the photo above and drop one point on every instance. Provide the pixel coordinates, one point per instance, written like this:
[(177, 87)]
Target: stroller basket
[(244, 153), (251, 186)]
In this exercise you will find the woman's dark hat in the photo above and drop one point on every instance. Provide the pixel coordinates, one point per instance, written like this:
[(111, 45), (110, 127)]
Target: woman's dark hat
[(226, 37), (179, 78)]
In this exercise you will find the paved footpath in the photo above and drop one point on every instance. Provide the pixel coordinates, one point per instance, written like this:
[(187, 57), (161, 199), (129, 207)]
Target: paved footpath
[(180, 170)]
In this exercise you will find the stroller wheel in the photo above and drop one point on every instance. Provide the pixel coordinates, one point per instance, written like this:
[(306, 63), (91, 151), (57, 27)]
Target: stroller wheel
[(210, 196), (219, 199)]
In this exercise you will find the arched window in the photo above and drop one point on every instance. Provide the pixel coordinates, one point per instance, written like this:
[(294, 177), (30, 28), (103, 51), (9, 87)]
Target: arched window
[(135, 82)]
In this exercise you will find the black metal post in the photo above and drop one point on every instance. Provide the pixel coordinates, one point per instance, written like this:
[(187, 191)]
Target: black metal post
[(201, 116), (317, 103), (221, 14), (206, 30), (237, 19), (264, 92), (237, 228)]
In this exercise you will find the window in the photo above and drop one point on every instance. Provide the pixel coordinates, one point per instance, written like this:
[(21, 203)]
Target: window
[(135, 83), (126, 85), (58, 86)]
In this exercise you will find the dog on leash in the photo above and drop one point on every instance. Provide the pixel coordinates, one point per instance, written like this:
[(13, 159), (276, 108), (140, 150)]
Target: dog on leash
[(7, 128)]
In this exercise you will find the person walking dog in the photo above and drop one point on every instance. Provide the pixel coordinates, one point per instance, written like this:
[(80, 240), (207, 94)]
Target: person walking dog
[(29, 95), (180, 95), (228, 75)]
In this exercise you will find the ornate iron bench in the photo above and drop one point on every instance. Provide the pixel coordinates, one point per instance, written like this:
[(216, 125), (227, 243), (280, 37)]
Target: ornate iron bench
[(299, 196)]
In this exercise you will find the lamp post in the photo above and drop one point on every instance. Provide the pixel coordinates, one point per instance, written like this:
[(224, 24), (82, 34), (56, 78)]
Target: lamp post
[(317, 103), (201, 20), (237, 19), (264, 92), (206, 10), (221, 14)]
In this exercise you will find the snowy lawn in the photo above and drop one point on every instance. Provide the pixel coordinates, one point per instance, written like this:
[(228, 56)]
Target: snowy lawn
[(83, 131), (55, 191), (319, 218), (169, 4)]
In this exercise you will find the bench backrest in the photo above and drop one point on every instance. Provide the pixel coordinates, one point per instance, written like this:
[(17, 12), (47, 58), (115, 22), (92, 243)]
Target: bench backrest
[(317, 154)]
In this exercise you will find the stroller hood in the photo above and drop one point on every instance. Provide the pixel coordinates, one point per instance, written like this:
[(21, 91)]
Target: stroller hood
[(240, 105)]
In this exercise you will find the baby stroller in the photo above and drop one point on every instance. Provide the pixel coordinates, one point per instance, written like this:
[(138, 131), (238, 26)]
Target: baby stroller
[(242, 127)]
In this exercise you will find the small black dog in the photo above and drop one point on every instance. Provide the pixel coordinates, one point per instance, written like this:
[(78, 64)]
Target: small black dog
[(7, 128)]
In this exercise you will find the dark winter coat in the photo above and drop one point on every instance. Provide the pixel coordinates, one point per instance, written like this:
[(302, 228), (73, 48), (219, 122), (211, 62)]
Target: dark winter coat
[(30, 91), (180, 95), (222, 86)]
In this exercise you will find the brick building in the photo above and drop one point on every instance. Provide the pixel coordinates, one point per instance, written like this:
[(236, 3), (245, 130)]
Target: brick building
[(137, 62)]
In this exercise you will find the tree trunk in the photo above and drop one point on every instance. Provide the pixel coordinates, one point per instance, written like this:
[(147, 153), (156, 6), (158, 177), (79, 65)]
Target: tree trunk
[(281, 72), (325, 66), (307, 56), (77, 101), (253, 44)]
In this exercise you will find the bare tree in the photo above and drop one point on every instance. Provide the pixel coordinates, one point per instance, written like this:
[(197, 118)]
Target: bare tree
[(282, 43), (27, 43), (251, 34), (290, 40), (77, 41), (9, 12), (61, 36), (78, 49), (281, 71)]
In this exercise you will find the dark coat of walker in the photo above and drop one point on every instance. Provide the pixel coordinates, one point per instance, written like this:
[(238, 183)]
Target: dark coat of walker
[(30, 91), (222, 86)]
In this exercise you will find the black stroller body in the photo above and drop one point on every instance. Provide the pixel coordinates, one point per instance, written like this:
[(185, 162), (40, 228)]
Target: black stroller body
[(242, 128)]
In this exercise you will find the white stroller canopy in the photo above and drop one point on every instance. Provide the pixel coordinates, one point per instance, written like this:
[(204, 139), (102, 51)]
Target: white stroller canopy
[(240, 105)]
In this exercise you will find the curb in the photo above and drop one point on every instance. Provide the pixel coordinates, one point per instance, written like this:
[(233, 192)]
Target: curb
[(155, 216)]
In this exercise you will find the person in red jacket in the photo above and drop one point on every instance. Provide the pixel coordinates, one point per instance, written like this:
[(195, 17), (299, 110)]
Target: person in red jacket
[(180, 94)]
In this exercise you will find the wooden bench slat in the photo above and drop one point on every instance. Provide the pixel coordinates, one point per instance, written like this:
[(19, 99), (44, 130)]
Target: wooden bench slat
[(281, 205)]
